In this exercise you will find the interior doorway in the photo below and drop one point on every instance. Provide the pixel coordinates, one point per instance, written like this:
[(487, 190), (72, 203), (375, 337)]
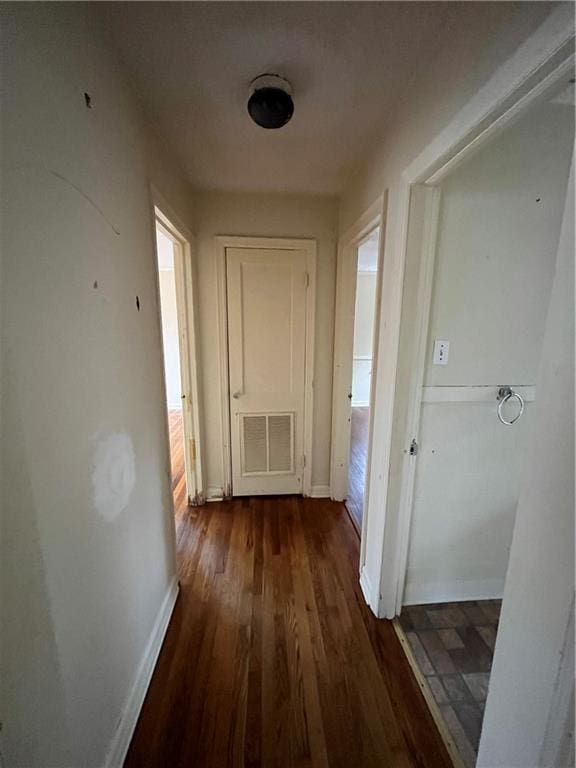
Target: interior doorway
[(486, 240), (175, 292), (362, 363), (267, 293)]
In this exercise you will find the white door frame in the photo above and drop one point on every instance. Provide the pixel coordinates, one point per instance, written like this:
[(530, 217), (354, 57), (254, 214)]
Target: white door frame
[(278, 243), (346, 276), (184, 277), (544, 62), (346, 273)]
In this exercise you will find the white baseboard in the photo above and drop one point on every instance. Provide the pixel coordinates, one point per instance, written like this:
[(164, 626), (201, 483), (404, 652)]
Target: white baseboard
[(453, 591), (214, 493), (320, 492), (133, 704)]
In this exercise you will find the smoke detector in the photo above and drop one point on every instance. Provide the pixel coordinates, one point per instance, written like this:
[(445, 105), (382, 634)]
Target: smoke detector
[(270, 102)]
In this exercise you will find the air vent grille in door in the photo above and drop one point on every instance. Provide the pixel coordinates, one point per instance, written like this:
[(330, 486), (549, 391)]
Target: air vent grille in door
[(267, 443), (255, 444)]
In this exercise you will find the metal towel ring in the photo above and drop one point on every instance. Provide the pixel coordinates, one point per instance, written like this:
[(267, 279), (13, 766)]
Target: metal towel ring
[(505, 394)]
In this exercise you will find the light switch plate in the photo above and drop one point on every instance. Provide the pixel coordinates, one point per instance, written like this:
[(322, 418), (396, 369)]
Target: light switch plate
[(441, 350)]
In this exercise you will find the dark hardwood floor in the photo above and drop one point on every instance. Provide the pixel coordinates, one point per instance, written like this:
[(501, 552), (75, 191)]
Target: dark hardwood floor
[(357, 464), (272, 657)]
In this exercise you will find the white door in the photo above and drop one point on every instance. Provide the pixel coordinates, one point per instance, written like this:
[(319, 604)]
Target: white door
[(266, 341)]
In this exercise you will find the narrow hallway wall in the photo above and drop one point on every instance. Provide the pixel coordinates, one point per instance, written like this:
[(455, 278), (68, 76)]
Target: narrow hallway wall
[(88, 557)]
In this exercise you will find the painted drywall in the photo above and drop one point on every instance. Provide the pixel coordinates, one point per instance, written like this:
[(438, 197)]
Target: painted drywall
[(87, 533), (498, 233), (363, 335), (499, 225), (265, 216), (536, 628), (169, 315), (486, 37)]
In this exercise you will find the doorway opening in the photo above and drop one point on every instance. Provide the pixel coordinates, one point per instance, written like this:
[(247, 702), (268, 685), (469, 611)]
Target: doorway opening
[(362, 361), (484, 242), (174, 270)]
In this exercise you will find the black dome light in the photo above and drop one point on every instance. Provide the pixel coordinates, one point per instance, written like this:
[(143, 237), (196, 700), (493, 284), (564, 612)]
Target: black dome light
[(270, 103)]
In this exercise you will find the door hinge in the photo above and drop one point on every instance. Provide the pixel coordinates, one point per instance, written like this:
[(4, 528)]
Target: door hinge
[(193, 450), (306, 279), (414, 447), (303, 459)]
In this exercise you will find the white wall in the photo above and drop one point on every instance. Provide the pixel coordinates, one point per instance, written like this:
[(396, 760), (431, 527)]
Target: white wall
[(498, 233), (87, 533), (529, 717), (496, 253), (170, 332), (265, 216), (363, 334)]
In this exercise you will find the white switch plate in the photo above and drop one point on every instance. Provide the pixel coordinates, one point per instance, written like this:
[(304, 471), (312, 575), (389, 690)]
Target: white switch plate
[(441, 350)]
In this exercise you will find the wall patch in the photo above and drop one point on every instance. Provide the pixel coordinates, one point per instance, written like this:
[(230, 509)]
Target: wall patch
[(113, 473)]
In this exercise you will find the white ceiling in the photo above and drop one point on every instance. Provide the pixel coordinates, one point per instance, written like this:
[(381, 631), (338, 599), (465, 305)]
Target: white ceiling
[(348, 62)]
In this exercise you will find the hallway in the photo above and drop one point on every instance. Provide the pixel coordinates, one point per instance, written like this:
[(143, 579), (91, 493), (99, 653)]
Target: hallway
[(206, 205), (272, 657)]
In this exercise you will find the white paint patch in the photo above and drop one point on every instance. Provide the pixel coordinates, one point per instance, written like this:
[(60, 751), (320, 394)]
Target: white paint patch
[(114, 474)]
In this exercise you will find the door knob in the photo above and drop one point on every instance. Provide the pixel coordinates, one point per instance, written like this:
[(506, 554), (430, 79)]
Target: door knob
[(236, 394)]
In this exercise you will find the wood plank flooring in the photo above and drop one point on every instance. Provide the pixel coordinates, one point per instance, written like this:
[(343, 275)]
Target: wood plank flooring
[(272, 657), (176, 432), (453, 644), (357, 464)]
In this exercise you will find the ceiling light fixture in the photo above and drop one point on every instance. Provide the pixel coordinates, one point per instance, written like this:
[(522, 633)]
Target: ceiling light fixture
[(270, 102)]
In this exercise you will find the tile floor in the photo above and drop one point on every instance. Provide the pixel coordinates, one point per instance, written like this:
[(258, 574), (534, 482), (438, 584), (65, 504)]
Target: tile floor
[(453, 644)]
